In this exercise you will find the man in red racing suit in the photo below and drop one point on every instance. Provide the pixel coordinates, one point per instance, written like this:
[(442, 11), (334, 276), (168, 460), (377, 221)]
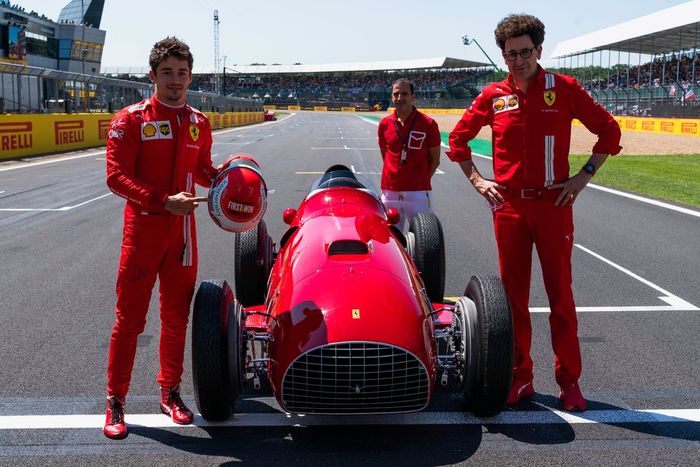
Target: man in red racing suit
[(156, 151), (532, 194)]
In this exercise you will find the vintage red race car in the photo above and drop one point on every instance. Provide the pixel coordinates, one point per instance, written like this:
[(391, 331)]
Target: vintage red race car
[(348, 316)]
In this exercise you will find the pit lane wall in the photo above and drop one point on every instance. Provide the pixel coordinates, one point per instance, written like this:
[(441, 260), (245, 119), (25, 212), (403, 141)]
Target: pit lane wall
[(29, 135)]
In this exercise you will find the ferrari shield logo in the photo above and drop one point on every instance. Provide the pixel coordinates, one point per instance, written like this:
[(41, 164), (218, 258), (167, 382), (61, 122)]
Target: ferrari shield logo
[(355, 313), (549, 97), (194, 132)]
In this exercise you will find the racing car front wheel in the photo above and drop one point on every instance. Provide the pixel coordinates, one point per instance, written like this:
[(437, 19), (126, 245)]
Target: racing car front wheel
[(213, 391), (487, 344), (427, 247), (252, 264)]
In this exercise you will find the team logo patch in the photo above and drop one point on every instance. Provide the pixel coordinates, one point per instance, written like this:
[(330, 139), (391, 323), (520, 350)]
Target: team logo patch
[(498, 104), (355, 313), (156, 130), (149, 130), (194, 132), (505, 103), (549, 97), (416, 139)]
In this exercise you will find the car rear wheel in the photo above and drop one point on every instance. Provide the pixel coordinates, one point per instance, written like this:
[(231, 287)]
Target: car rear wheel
[(427, 247), (213, 391), (252, 264), (489, 371)]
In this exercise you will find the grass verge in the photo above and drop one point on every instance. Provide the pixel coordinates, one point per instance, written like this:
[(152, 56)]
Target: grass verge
[(672, 177)]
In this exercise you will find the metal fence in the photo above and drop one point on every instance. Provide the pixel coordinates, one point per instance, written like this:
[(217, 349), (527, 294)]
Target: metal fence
[(672, 100), (26, 89)]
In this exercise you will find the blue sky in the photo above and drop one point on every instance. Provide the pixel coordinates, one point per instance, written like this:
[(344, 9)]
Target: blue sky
[(330, 31)]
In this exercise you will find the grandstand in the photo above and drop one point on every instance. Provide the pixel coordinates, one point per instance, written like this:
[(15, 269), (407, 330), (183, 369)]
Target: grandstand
[(649, 66), (442, 81)]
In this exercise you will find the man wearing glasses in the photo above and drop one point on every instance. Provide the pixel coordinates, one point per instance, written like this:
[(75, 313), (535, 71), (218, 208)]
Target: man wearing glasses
[(532, 194)]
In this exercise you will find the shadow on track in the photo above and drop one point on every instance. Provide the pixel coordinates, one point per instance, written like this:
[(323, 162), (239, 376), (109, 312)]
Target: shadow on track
[(311, 446)]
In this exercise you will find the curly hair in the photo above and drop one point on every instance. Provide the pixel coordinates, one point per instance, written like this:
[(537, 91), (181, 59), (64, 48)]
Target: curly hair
[(519, 25), (169, 47)]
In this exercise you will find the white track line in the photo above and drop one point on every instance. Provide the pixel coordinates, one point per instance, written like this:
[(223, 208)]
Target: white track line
[(675, 303), (28, 163), (544, 417), (63, 209)]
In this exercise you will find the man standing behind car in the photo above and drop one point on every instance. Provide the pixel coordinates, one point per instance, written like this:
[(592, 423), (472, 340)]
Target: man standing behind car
[(532, 194), (409, 142), (156, 151)]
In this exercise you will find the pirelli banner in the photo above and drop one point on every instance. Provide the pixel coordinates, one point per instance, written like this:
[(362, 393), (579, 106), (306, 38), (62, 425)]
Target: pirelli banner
[(662, 126), (28, 135)]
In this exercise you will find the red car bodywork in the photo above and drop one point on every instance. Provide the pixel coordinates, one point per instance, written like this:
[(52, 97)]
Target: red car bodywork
[(339, 321), (326, 288)]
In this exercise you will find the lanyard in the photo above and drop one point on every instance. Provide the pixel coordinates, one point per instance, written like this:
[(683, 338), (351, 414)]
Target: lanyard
[(404, 139)]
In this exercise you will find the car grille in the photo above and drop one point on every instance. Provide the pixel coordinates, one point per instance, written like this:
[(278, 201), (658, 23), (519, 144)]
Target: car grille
[(355, 377)]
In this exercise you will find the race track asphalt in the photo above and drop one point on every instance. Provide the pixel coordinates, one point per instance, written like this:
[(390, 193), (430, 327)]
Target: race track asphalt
[(636, 281)]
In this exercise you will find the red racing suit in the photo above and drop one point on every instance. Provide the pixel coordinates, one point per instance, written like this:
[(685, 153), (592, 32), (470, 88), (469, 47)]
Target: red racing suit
[(531, 134), (419, 134), (154, 151)]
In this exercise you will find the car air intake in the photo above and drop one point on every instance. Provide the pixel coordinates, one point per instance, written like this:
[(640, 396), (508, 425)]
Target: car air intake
[(355, 377), (348, 247)]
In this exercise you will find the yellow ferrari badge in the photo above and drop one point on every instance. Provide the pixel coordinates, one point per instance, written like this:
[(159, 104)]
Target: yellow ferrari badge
[(549, 97), (194, 132), (355, 313)]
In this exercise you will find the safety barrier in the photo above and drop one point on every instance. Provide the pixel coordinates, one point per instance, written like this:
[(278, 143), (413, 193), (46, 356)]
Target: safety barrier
[(30, 134), (662, 126)]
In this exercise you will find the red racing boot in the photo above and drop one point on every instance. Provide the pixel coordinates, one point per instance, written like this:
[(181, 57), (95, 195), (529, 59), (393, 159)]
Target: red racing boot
[(171, 404), (115, 426), (519, 390), (571, 398)]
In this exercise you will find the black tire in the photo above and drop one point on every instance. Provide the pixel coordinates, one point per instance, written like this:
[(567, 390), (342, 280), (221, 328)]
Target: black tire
[(428, 251), (252, 265), (494, 346), (212, 389)]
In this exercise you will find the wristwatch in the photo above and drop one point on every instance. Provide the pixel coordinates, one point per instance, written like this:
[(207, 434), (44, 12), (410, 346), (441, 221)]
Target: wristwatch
[(589, 168)]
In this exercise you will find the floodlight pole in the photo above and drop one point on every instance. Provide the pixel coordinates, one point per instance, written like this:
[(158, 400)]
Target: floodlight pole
[(223, 79), (466, 40)]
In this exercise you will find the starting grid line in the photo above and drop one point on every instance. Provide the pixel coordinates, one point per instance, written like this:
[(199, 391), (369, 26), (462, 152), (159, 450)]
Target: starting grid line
[(543, 417)]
